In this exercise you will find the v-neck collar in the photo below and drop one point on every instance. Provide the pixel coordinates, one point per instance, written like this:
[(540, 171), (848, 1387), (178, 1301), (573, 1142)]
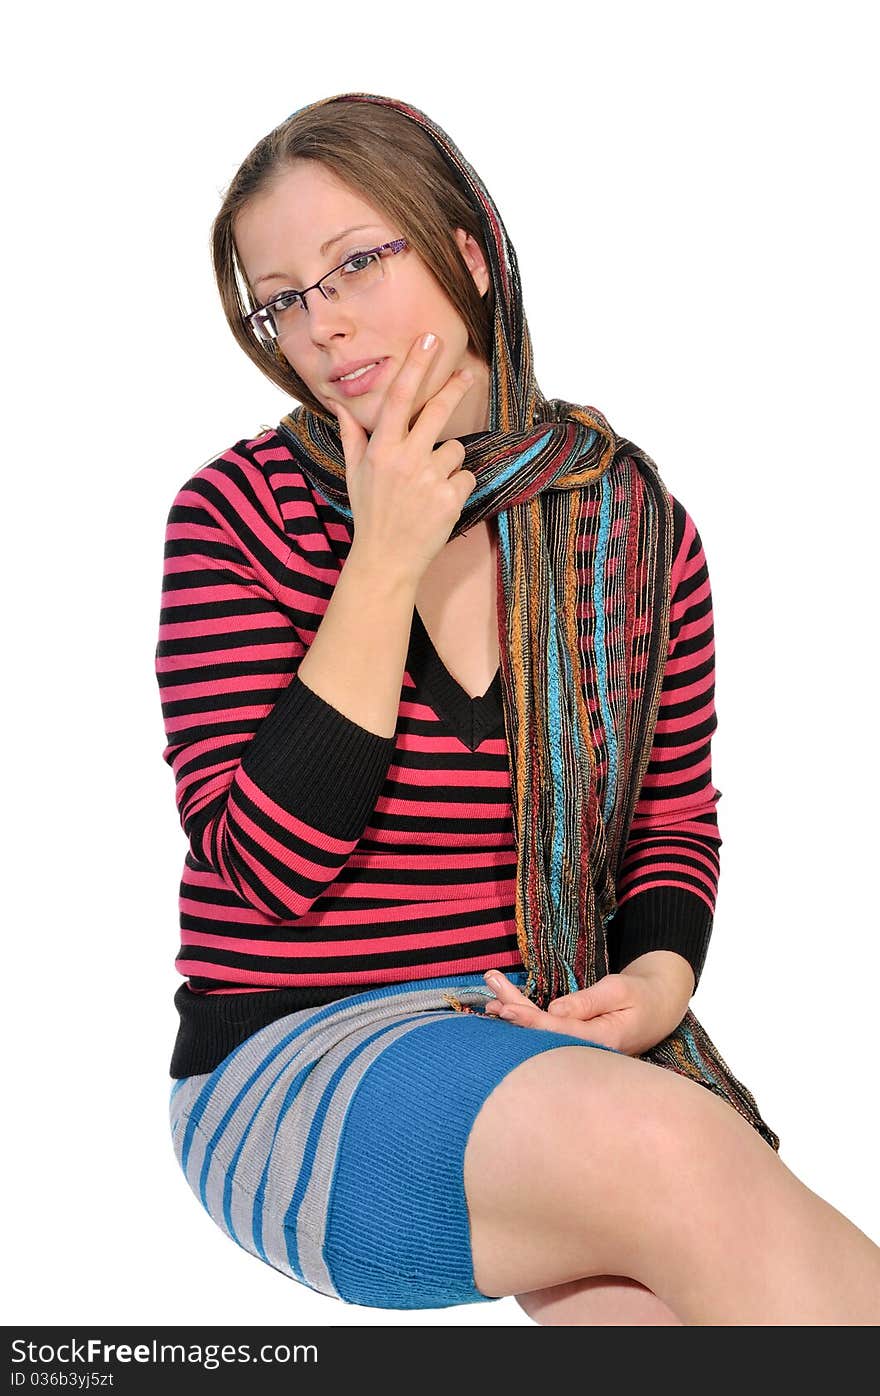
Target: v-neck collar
[(471, 719)]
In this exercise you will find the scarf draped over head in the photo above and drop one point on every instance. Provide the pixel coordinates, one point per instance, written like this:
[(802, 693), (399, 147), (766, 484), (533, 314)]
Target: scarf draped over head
[(585, 541)]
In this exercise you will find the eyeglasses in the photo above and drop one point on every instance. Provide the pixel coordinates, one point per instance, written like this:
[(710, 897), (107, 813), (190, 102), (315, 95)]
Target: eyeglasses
[(288, 311)]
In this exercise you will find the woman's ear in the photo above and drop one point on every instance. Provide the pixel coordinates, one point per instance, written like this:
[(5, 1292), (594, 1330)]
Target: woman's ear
[(473, 255)]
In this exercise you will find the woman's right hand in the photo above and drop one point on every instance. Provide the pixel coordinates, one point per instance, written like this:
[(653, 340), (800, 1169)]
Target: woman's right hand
[(406, 496)]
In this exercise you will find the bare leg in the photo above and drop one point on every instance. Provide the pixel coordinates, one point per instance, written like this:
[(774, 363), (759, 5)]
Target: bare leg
[(591, 1164), (772, 1253), (602, 1301)]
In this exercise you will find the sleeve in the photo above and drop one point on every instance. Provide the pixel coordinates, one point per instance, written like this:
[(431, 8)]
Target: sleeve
[(668, 878), (274, 787)]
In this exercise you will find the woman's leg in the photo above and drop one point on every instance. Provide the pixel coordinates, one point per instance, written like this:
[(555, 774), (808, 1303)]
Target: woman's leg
[(603, 1301), (588, 1164)]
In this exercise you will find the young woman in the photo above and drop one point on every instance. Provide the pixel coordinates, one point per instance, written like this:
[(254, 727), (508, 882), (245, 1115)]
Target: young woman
[(437, 668)]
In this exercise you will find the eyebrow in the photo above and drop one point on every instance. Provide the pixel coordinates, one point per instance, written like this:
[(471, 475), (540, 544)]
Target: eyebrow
[(325, 248)]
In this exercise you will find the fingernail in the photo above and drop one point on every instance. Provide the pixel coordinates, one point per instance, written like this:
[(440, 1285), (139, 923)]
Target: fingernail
[(428, 340), (492, 979)]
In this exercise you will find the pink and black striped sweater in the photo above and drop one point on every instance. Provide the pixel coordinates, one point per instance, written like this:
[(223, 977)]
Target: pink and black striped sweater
[(323, 859)]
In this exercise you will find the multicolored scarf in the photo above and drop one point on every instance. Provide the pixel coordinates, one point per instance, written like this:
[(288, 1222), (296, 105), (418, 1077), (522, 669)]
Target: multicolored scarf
[(585, 540)]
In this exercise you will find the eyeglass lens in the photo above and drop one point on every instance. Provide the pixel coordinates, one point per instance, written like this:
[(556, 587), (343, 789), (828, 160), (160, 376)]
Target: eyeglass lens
[(288, 311)]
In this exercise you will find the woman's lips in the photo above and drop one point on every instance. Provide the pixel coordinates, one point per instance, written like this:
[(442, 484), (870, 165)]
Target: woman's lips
[(353, 387)]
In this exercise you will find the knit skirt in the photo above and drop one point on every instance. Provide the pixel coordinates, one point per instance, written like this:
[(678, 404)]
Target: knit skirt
[(331, 1143)]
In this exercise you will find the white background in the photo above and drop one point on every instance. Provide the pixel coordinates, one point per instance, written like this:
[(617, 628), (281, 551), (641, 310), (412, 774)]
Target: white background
[(688, 188)]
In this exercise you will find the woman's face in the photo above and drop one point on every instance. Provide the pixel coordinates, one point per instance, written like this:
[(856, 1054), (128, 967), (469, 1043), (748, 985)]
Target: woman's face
[(279, 238)]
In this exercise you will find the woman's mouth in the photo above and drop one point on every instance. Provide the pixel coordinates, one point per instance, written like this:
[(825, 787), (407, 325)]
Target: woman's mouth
[(363, 380)]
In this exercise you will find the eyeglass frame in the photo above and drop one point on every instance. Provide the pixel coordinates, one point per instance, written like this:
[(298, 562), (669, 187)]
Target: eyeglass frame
[(388, 248)]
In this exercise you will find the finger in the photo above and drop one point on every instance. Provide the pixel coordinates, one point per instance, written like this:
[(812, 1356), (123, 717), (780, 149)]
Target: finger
[(435, 413), (504, 991), (399, 401), (527, 1014), (351, 435), (606, 995), (508, 996), (600, 1031)]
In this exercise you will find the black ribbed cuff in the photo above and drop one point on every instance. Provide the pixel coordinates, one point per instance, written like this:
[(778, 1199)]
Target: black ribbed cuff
[(661, 918), (317, 764)]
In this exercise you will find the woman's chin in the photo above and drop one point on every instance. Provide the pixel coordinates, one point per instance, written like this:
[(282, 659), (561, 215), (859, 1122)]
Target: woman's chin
[(366, 416)]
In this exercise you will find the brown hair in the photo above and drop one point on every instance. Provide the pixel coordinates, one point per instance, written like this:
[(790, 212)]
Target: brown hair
[(392, 163)]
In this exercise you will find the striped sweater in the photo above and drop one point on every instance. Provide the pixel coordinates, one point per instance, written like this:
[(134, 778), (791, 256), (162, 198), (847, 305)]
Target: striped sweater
[(324, 859)]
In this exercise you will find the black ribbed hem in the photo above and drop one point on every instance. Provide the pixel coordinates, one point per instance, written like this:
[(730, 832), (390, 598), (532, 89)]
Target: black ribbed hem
[(317, 764), (661, 918), (212, 1025)]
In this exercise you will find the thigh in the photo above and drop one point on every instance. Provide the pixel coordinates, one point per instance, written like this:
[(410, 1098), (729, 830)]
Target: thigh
[(578, 1161)]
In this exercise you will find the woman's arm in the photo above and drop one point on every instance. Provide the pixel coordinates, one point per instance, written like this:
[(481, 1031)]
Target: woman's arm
[(668, 878), (274, 785), (675, 972)]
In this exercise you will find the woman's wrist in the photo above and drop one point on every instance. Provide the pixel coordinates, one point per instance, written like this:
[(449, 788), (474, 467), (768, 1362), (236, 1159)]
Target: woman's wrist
[(672, 970)]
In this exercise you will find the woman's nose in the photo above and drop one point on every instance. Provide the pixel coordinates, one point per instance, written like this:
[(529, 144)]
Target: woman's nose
[(326, 317)]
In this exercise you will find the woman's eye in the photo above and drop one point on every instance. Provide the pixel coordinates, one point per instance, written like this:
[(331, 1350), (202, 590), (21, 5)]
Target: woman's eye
[(285, 301), (359, 262)]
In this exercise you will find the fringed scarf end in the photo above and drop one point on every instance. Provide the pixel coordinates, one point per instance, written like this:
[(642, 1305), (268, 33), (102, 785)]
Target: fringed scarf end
[(456, 1003)]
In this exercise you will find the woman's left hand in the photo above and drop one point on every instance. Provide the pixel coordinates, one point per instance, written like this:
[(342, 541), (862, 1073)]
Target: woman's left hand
[(630, 1012)]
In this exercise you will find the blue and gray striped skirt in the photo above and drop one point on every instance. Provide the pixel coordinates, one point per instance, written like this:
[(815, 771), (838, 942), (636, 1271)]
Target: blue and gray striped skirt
[(331, 1143)]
